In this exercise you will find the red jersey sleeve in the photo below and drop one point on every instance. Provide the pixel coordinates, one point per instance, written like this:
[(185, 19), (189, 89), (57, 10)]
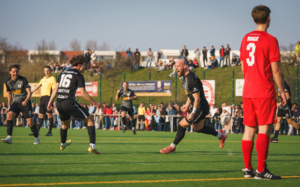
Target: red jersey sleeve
[(274, 53)]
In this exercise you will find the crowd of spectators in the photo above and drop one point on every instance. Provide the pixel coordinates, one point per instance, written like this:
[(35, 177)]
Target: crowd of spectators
[(155, 118)]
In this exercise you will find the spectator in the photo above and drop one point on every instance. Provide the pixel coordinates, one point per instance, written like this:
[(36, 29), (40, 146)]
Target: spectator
[(171, 111), (158, 118), (162, 66), (212, 51), (190, 64), (235, 61), (297, 51), (98, 117), (88, 59), (36, 113), (56, 68), (129, 53), (204, 56), (149, 118), (104, 118), (197, 54), (141, 117), (224, 118), (195, 63), (68, 66), (227, 55), (137, 58), (93, 57), (149, 58), (50, 65), (216, 119), (184, 53), (222, 55), (113, 106), (110, 118), (173, 66)]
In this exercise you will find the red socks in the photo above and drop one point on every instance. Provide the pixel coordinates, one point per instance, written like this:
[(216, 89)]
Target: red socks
[(262, 148), (247, 147)]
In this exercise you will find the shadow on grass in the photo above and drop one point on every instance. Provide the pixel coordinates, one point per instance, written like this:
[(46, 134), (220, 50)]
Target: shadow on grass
[(117, 173)]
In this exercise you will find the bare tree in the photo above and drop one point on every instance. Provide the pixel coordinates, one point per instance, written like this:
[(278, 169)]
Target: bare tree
[(75, 45), (42, 45), (52, 45), (91, 44), (104, 47)]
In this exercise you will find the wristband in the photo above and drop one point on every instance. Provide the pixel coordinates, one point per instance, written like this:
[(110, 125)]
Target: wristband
[(194, 110)]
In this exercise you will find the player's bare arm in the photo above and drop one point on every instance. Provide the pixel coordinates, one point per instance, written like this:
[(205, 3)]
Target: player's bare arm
[(195, 106), (279, 81), (28, 90), (88, 97), (53, 95), (117, 96), (242, 66), (36, 88), (9, 98)]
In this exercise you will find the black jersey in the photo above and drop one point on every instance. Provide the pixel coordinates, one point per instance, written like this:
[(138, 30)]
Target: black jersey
[(286, 90), (192, 84), (69, 81), (125, 94), (17, 88)]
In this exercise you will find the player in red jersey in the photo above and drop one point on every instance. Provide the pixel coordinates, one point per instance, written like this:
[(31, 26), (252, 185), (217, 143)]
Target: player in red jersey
[(260, 58)]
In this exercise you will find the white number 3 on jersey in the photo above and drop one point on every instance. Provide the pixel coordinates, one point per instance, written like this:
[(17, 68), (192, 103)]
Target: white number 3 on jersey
[(251, 47)]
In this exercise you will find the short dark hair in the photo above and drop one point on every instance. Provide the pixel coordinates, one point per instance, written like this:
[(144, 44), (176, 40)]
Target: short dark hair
[(78, 60), (48, 67), (260, 13), (14, 66)]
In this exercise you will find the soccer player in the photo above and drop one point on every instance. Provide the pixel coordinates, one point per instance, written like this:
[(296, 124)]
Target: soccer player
[(196, 98), (127, 97), (260, 58), (284, 111), (66, 86), (48, 84), (19, 94)]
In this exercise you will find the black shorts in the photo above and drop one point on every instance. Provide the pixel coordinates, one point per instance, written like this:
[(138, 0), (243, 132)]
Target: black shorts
[(43, 105), (200, 114), (129, 110), (285, 112), (67, 108), (18, 107), (141, 117)]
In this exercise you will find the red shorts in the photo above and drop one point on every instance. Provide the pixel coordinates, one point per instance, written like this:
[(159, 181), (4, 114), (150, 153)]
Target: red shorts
[(259, 111)]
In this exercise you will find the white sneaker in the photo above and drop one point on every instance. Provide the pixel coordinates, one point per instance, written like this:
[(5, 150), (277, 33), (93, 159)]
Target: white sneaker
[(7, 140), (36, 141)]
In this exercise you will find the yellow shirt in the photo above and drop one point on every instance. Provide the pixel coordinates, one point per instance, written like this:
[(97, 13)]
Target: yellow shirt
[(48, 84), (141, 111), (297, 49)]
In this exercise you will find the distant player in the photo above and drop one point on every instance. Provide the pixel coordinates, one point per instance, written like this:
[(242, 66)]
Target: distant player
[(127, 96), (200, 108), (284, 111), (260, 58), (48, 84), (19, 94), (66, 86)]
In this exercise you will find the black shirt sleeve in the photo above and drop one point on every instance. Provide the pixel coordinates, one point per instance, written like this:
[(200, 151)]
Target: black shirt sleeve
[(7, 87), (81, 81), (25, 83)]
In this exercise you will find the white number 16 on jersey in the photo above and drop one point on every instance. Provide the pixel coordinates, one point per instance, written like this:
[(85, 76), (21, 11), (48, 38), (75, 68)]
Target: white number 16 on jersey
[(251, 47)]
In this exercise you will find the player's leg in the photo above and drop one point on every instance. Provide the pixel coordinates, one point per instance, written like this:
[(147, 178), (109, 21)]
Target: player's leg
[(201, 128), (50, 117), (92, 134), (33, 130), (123, 118), (183, 124), (277, 129), (64, 132), (293, 123), (9, 126), (131, 119)]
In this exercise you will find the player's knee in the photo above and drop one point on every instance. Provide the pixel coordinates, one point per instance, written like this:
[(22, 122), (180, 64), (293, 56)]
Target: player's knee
[(41, 115), (10, 116)]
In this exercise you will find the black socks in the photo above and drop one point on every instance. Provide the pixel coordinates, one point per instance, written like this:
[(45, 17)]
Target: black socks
[(9, 127), (208, 130), (63, 135), (179, 135), (92, 134)]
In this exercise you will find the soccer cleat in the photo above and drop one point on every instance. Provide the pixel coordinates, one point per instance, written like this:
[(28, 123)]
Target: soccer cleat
[(68, 142), (168, 149), (274, 140), (222, 138), (36, 141), (267, 175), (49, 134), (94, 150), (248, 173), (133, 131), (7, 140)]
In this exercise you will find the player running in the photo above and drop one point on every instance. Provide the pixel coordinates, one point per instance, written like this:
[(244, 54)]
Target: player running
[(127, 97), (284, 111), (260, 58), (196, 99), (66, 86), (48, 84), (19, 94)]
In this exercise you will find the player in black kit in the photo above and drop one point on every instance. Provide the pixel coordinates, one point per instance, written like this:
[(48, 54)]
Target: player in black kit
[(19, 94), (127, 97), (284, 111), (66, 86), (196, 98)]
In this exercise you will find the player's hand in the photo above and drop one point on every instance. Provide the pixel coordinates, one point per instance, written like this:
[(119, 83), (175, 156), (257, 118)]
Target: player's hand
[(118, 91), (49, 108), (283, 99), (24, 103), (184, 108), (190, 116), (97, 104)]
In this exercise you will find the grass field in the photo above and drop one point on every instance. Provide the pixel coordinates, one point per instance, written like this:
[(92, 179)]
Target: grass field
[(129, 160)]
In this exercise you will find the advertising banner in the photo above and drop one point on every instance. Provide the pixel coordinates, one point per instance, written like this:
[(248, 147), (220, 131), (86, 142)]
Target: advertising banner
[(150, 88), (209, 90), (239, 84)]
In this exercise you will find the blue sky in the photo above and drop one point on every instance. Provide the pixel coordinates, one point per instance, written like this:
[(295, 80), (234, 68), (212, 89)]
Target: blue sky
[(167, 24)]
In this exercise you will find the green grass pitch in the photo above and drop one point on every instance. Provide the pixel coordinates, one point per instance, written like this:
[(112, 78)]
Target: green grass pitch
[(129, 160)]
